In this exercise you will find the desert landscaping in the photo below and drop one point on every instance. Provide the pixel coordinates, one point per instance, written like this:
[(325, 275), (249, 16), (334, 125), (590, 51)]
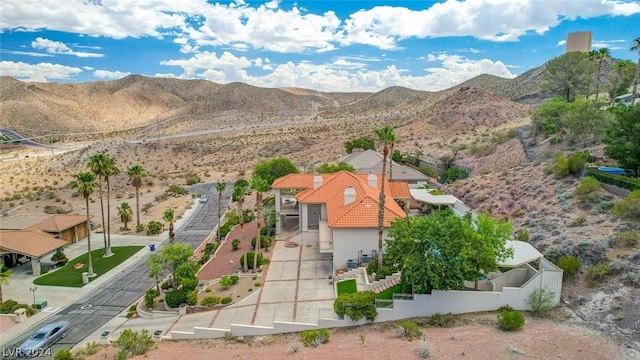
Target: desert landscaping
[(473, 124)]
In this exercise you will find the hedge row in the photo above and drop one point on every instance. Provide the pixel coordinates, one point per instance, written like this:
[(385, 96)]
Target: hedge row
[(620, 181)]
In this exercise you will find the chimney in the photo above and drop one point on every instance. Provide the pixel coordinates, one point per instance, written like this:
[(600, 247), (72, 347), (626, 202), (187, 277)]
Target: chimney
[(317, 181), (349, 195), (372, 180)]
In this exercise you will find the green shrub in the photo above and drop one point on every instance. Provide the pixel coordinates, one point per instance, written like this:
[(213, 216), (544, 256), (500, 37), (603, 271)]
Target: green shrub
[(560, 166), (522, 235), (315, 338), (250, 254), (265, 242), (569, 265), (193, 180), (627, 238), (429, 171), (226, 300), (510, 320), (235, 244), (63, 354), (629, 207), (91, 348), (174, 298), (149, 297), (588, 191), (59, 258), (357, 305), (541, 301), (409, 329), (134, 343), (598, 272), (372, 266), (576, 163), (441, 320), (154, 228), (210, 301), (178, 190), (189, 284), (452, 174), (192, 298), (234, 279), (579, 221), (624, 182)]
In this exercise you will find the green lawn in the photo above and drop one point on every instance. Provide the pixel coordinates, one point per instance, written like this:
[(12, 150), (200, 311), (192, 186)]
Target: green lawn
[(347, 287), (68, 276), (388, 294)]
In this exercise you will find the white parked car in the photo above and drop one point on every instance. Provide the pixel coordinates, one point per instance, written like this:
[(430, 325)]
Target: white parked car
[(204, 198)]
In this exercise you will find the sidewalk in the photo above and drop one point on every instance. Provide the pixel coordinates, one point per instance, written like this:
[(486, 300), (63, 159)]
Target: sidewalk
[(59, 297)]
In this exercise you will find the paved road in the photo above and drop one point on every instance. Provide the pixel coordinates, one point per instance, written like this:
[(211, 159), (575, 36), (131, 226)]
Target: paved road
[(14, 136), (90, 313)]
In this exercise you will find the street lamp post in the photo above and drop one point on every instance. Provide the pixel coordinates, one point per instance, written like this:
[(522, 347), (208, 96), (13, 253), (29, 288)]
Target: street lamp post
[(33, 290)]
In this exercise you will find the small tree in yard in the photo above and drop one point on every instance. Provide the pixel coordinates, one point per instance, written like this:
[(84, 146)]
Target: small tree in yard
[(226, 281), (176, 260), (510, 320), (541, 301)]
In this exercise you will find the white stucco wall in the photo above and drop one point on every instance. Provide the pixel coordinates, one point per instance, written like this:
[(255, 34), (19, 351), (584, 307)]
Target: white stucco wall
[(348, 242)]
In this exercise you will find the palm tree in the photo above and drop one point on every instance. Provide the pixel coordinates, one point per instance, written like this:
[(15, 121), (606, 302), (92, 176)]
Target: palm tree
[(5, 273), (386, 136), (168, 217), (220, 186), (260, 185), (635, 46), (86, 184), (599, 56), (239, 194), (97, 164), (125, 213), (110, 170), (135, 174)]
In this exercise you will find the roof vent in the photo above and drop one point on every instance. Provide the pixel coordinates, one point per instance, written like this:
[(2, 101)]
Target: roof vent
[(349, 195), (372, 180), (317, 181)]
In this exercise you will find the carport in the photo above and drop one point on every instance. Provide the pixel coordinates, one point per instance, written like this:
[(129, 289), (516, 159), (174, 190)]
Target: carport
[(18, 247)]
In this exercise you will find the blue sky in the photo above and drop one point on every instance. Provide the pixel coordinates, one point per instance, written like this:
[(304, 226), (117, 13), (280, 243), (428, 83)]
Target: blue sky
[(340, 45)]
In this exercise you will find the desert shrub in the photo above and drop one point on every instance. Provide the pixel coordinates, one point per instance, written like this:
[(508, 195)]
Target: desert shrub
[(264, 240), (357, 305), (576, 163), (409, 329), (570, 265), (91, 348), (174, 298), (225, 281), (629, 207), (315, 338), (63, 354), (192, 298), (560, 167), (146, 207), (441, 320), (429, 171), (161, 197), (134, 343), (189, 284), (210, 301), (154, 228), (588, 191), (541, 301), (59, 258), (522, 235), (226, 300), (627, 238), (579, 221), (234, 279), (250, 254), (424, 350), (510, 320), (235, 244), (52, 209), (598, 272), (178, 190), (193, 180), (452, 174)]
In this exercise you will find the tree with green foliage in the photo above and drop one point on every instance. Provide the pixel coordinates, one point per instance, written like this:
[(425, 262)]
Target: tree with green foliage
[(334, 168), (635, 46), (220, 186), (275, 168), (547, 116), (588, 191), (136, 173), (488, 245), (621, 78), (397, 156), (5, 274), (386, 136), (357, 305), (260, 186), (452, 174), (585, 122), (174, 259), (568, 75), (365, 143), (629, 207), (599, 58), (85, 183), (125, 213), (622, 137), (168, 216)]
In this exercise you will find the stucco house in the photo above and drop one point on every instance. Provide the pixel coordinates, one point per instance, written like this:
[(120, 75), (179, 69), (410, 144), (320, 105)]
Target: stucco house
[(338, 212), (370, 161)]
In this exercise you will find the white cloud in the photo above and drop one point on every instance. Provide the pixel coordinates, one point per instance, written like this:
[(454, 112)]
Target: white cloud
[(111, 75), (41, 72), (57, 47), (26, 53)]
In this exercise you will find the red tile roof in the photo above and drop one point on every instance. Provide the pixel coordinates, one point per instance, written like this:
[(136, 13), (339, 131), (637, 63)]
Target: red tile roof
[(59, 223), (30, 243)]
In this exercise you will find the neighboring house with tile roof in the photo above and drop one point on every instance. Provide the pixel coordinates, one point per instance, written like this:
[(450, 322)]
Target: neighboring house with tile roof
[(69, 228), (370, 161), (338, 212)]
